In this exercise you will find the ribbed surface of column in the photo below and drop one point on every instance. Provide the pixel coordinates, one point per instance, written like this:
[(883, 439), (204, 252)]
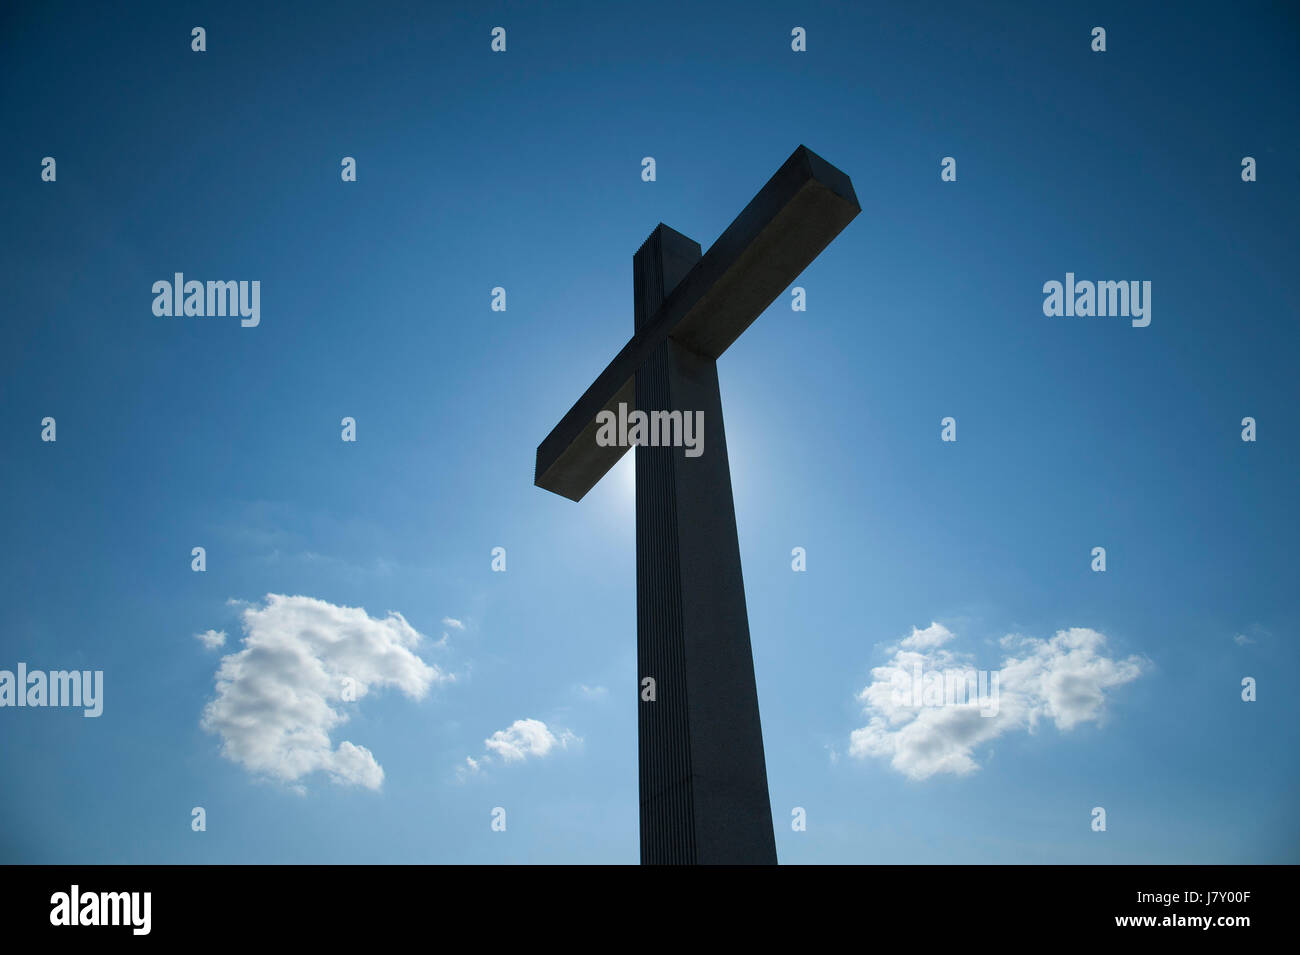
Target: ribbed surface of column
[(667, 813)]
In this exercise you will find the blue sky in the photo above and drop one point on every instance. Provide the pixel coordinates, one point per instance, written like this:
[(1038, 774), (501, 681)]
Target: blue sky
[(522, 170)]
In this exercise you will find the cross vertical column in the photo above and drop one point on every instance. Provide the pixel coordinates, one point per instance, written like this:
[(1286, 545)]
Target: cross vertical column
[(703, 778)]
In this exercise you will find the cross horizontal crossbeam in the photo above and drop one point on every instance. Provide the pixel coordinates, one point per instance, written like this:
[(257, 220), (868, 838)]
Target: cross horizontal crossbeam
[(805, 205)]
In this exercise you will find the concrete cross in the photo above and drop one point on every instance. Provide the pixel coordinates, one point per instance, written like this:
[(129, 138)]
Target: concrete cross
[(703, 779)]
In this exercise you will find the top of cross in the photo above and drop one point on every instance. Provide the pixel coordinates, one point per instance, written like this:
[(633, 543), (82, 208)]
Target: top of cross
[(796, 215)]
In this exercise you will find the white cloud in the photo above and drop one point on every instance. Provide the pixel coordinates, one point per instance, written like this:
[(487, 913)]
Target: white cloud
[(932, 636), (278, 699), (211, 639), (453, 624), (1063, 679), (1242, 640), (524, 738), (521, 740), (593, 692)]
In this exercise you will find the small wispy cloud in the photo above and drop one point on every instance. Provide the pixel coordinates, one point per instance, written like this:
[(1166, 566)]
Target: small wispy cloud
[(211, 639), (520, 741), (593, 692), (1242, 640), (451, 623)]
